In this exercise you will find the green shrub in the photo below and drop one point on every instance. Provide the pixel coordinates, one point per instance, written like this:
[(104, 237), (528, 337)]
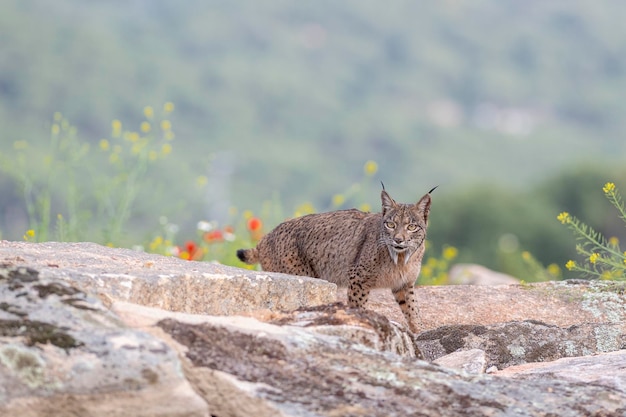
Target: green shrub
[(601, 257)]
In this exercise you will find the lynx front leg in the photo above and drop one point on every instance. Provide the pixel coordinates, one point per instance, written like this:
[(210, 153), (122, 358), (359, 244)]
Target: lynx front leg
[(358, 290), (407, 299)]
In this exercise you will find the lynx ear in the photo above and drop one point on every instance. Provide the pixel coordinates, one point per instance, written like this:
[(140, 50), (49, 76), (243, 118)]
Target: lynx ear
[(387, 201), (423, 206)]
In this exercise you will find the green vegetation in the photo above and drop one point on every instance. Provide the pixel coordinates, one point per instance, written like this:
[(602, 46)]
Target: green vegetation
[(602, 257), (91, 193), (279, 104)]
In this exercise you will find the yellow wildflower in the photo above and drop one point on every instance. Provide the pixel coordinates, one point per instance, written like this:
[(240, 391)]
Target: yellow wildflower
[(526, 256), (201, 180), (570, 265), (450, 252), (153, 155), (116, 128), (166, 125), (30, 233), (156, 242), (554, 270), (145, 127), (166, 149), (55, 129), (148, 111), (19, 145), (609, 187), (168, 107), (370, 168), (131, 136), (564, 217), (365, 207), (594, 258), (613, 241), (105, 145), (58, 116), (338, 200), (306, 208)]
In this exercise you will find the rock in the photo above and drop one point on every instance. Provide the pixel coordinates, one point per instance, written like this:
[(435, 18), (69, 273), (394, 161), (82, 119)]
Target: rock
[(472, 361), (167, 282), (243, 367), (286, 367), (606, 369), (318, 359), (514, 343), (471, 274), (365, 327), (63, 353), (559, 303)]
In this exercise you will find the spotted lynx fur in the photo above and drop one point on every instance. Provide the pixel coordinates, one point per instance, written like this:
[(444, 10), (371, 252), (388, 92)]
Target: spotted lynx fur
[(353, 249)]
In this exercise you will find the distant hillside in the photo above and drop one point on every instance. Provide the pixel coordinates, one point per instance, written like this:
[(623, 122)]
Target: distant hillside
[(291, 98)]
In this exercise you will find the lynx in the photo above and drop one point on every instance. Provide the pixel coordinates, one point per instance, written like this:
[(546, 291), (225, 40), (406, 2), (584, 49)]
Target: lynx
[(353, 249)]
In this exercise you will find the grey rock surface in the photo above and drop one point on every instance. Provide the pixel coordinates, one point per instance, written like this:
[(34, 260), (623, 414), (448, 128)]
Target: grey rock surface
[(607, 369), (264, 369), (63, 353), (514, 343), (315, 359), (558, 303), (166, 282), (472, 361)]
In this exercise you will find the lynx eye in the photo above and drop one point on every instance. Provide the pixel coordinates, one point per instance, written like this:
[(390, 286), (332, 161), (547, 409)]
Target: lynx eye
[(411, 227), (390, 225)]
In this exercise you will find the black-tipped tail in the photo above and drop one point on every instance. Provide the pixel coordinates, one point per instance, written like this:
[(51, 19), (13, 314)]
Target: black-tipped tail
[(249, 256)]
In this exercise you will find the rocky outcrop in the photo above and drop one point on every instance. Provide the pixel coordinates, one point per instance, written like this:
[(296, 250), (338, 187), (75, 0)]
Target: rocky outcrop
[(142, 352), (62, 351), (295, 374), (608, 370), (166, 282), (514, 343), (243, 367), (557, 303)]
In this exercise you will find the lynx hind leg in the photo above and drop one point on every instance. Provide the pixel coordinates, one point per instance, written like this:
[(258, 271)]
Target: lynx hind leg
[(407, 300)]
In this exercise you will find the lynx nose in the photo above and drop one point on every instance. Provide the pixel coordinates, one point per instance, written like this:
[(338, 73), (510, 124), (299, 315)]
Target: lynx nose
[(398, 240)]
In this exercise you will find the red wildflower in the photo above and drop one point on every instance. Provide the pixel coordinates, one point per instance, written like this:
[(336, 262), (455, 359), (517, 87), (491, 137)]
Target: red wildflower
[(213, 236), (191, 251), (255, 224)]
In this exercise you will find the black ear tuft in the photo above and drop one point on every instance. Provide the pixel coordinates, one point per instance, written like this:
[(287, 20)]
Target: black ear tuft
[(381, 183), (434, 188), (387, 201)]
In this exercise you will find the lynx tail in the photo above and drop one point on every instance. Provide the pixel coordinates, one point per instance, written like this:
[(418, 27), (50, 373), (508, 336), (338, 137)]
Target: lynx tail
[(249, 256)]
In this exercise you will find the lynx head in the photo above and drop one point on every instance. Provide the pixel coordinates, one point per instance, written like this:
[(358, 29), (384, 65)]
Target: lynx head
[(403, 228)]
